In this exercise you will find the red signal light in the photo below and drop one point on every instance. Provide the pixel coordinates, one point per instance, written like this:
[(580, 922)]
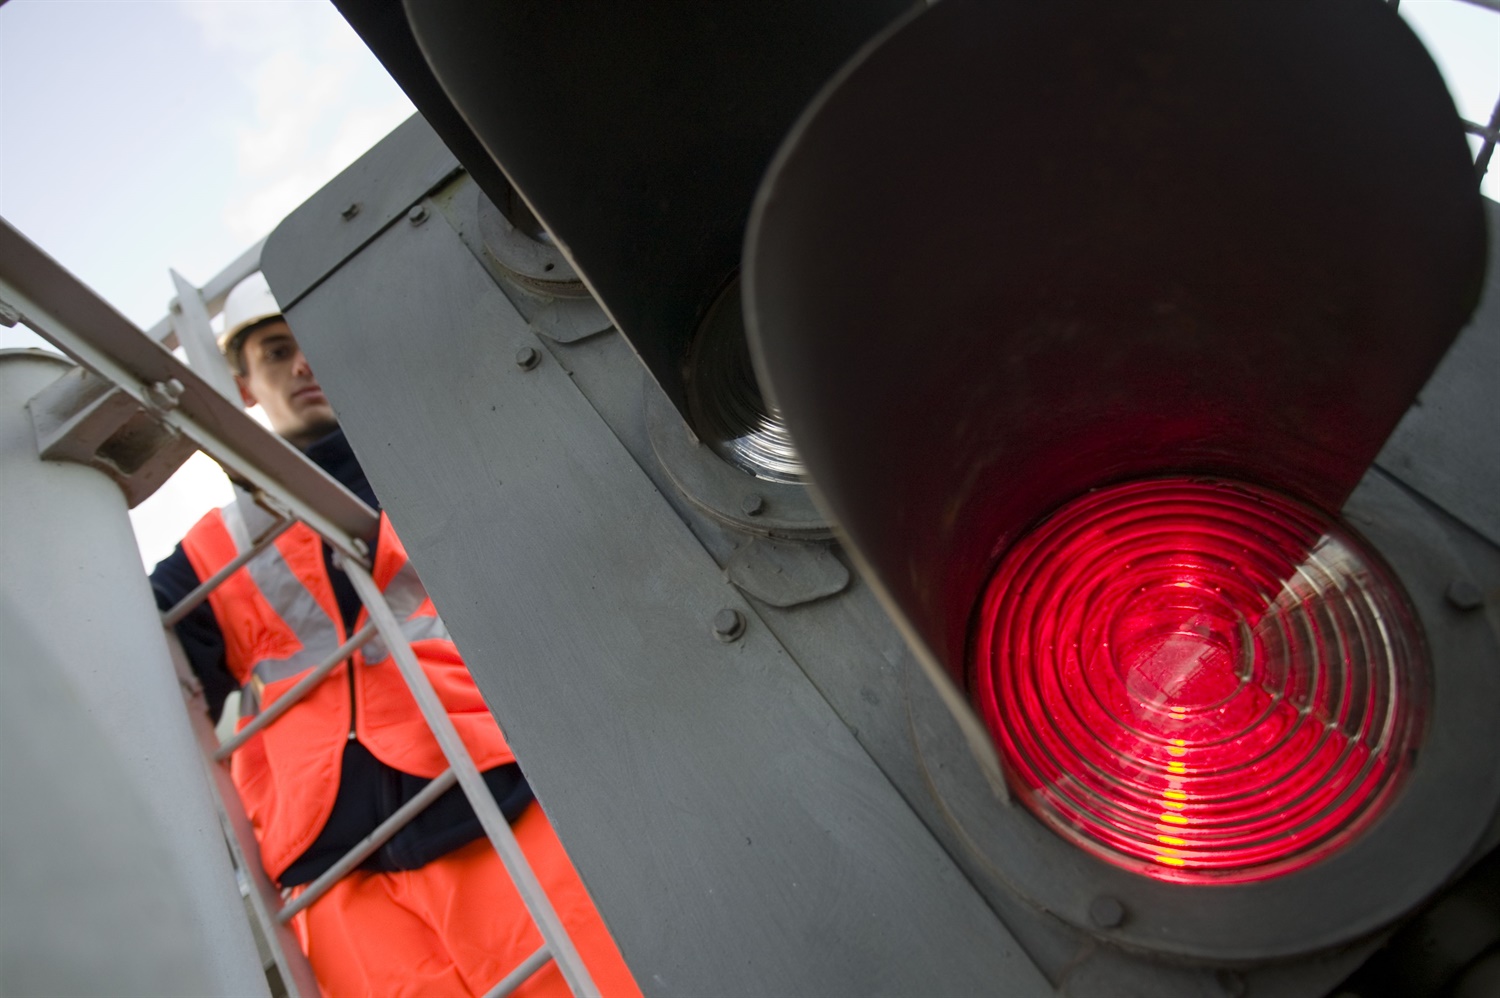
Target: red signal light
[(1200, 681)]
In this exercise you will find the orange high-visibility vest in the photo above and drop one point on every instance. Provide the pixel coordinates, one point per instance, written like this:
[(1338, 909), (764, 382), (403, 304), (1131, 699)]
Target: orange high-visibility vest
[(280, 618)]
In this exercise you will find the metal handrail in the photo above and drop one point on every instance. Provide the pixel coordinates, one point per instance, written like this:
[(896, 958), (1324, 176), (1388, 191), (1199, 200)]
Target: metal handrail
[(72, 317), (545, 917)]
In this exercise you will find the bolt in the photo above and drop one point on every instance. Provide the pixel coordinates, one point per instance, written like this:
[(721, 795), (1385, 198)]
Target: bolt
[(729, 625), (527, 358), (176, 307), (8, 314), (1231, 983), (350, 210), (1464, 594), (1106, 912), (417, 215), (360, 547), (165, 395), (753, 504)]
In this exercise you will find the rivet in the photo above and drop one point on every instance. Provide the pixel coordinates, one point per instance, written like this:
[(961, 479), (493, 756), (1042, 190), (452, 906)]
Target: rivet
[(350, 210), (753, 504), (1230, 982), (1464, 594), (729, 625), (527, 358), (165, 395), (1106, 912), (417, 215)]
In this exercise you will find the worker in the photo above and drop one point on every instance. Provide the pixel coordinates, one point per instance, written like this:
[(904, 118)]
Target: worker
[(433, 911)]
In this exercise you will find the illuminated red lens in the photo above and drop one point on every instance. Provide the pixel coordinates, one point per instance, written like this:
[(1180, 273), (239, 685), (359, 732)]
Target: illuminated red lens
[(1199, 681)]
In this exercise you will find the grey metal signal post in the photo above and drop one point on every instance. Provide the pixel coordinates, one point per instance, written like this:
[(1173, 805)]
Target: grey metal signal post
[(761, 786), (734, 831)]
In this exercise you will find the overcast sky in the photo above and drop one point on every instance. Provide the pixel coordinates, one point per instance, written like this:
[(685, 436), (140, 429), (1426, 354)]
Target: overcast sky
[(137, 136), (141, 136)]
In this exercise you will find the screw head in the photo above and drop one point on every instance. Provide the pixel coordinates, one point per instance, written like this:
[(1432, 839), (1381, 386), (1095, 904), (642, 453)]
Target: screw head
[(417, 215), (753, 504), (729, 625), (1464, 595), (350, 210), (1106, 912), (527, 358)]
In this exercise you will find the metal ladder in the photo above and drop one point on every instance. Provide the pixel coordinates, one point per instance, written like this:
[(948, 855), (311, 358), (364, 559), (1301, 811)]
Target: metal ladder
[(196, 404)]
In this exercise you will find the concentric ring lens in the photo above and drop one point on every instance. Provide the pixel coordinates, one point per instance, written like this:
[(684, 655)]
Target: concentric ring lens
[(1200, 681)]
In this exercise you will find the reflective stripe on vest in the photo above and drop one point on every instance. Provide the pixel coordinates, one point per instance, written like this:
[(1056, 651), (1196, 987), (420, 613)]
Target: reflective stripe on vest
[(305, 616), (280, 617)]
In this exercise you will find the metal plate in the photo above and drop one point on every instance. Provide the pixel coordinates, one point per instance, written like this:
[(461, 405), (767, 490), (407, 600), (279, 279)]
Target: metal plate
[(732, 831)]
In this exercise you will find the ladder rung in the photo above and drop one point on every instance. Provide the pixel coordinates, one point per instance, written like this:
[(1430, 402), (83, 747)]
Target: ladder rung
[(198, 595), (521, 974), (379, 837), (287, 700)]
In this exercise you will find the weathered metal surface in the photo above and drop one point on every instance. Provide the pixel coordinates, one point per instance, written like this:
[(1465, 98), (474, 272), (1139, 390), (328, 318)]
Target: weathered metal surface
[(734, 833), (966, 319), (724, 492), (1457, 417), (786, 573), (353, 208)]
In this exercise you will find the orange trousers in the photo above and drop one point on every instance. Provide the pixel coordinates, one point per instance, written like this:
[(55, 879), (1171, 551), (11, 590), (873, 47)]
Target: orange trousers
[(456, 926)]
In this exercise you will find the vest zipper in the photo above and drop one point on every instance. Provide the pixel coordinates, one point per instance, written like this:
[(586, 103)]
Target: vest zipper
[(349, 664)]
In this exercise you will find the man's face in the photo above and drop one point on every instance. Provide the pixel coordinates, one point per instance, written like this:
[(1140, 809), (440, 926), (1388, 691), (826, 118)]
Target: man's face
[(278, 378)]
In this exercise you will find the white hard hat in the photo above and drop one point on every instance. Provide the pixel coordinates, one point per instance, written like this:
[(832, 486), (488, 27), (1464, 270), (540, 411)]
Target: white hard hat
[(248, 305)]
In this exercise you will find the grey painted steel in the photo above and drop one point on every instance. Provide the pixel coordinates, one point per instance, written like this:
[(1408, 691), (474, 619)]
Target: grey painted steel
[(323, 233), (91, 902), (73, 582), (720, 489), (527, 967), (367, 846), (1457, 416), (291, 697), (213, 293), (734, 834), (562, 319), (966, 323), (786, 573), (83, 325), (569, 963), (85, 419), (262, 897), (195, 332), (638, 132)]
